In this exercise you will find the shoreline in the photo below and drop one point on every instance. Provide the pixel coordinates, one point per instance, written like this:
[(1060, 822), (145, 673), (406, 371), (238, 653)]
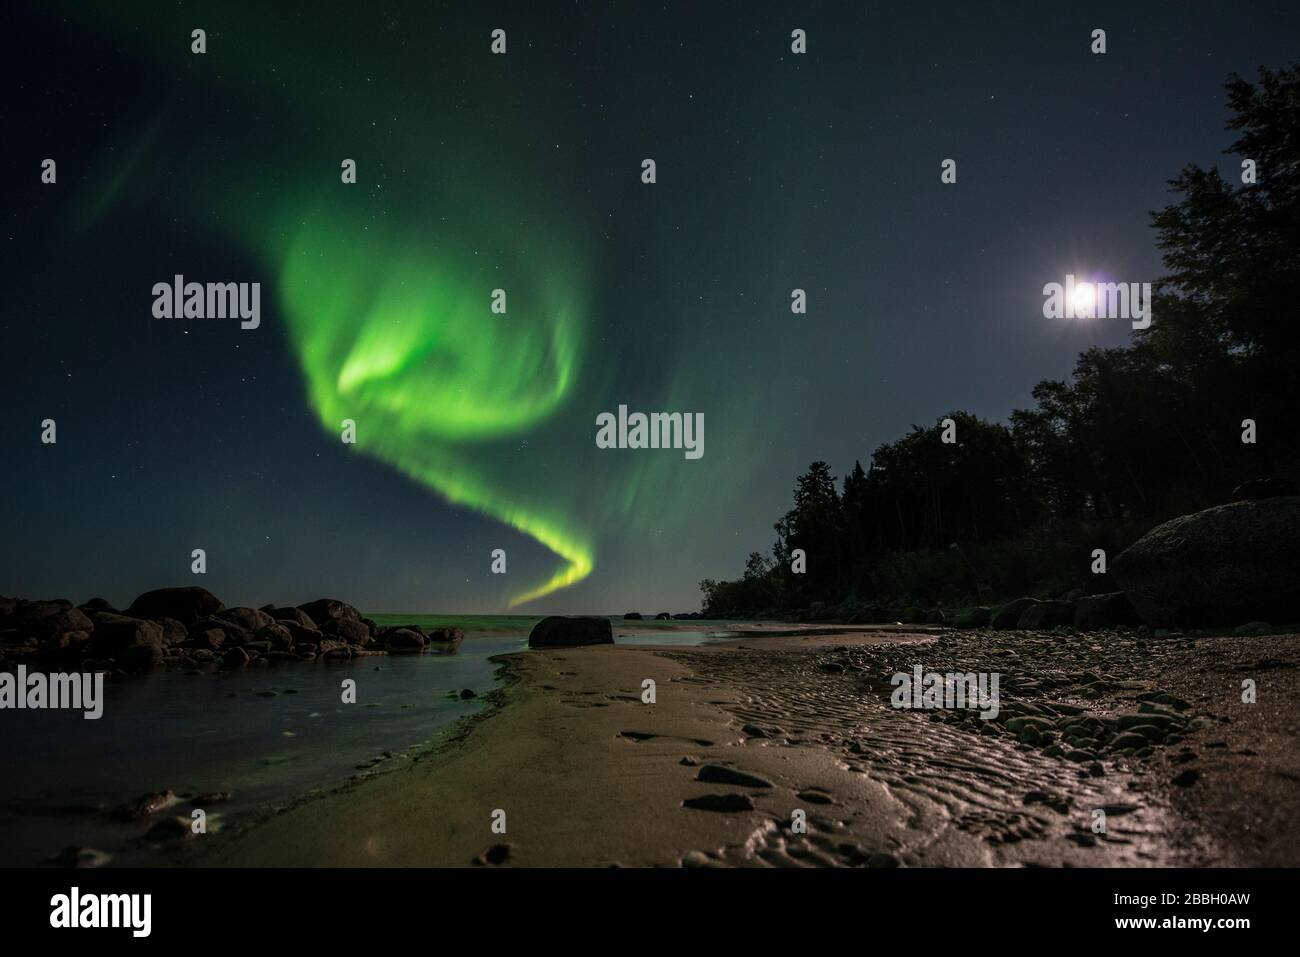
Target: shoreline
[(588, 775)]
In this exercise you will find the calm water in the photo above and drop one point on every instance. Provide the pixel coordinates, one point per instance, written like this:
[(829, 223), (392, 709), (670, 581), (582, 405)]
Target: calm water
[(264, 734)]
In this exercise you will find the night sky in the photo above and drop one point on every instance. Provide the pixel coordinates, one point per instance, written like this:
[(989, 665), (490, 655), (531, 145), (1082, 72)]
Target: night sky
[(476, 431)]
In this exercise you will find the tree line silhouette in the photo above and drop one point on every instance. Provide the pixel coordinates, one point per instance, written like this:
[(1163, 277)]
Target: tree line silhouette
[(1137, 435)]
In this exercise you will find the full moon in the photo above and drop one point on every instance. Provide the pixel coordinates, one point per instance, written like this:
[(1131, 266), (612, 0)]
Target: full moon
[(1083, 299)]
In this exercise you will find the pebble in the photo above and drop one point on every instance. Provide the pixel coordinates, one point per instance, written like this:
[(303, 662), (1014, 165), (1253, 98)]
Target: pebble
[(1187, 778)]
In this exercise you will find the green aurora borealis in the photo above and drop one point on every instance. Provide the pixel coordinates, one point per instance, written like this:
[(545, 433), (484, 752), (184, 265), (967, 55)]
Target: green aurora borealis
[(403, 344), (392, 327), (521, 172)]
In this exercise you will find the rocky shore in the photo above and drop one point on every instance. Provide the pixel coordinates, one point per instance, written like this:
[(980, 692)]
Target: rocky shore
[(1233, 566), (189, 627), (1110, 749)]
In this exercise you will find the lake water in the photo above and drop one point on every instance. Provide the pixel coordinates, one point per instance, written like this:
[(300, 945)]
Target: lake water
[(266, 735)]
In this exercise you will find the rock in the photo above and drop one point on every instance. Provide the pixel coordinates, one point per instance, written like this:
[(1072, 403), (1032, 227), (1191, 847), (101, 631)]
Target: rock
[(42, 619), (146, 805), (140, 657), (1132, 720), (275, 636), (1016, 725), (186, 604), (496, 854), (468, 694), (171, 829), (559, 631), (249, 619), (209, 639), (64, 641), (295, 615), (1008, 615), (973, 617), (97, 604), (353, 631), (723, 803), (323, 609), (1148, 731), (632, 616), (913, 615), (234, 634), (73, 856), (1187, 778), (300, 634), (235, 658), (1105, 612), (209, 797), (173, 632), (1128, 740), (115, 633), (446, 636), (1221, 566), (1046, 614), (1263, 488), (402, 640), (718, 774)]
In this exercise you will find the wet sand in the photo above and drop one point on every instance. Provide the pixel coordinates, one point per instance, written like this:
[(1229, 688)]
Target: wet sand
[(589, 775)]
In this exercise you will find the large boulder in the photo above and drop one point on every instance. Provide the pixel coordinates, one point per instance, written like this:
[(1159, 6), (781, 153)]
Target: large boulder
[(352, 630), (295, 615), (275, 636), (1009, 615), (1046, 614), (143, 657), (187, 604), (44, 619), (1264, 488), (235, 634), (559, 631), (401, 640), (977, 617), (249, 619), (446, 636), (324, 609), (1225, 565), (1104, 612), (113, 634)]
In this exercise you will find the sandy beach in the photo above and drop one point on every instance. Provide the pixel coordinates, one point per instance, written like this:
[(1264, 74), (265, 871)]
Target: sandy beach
[(589, 775)]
